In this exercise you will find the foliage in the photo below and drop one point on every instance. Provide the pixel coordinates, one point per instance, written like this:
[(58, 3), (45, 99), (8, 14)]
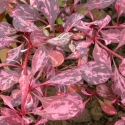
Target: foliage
[(61, 44)]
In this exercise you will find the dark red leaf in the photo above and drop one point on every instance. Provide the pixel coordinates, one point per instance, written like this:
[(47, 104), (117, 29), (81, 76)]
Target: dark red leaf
[(72, 21), (40, 59), (122, 67), (25, 12), (49, 8), (23, 25), (8, 78), (14, 55), (61, 40), (108, 108), (2, 6), (95, 72)]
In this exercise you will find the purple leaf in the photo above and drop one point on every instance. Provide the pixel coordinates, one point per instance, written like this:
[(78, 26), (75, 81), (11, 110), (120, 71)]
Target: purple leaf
[(7, 29), (120, 122), (105, 91), (2, 6), (111, 35), (14, 55), (40, 59), (122, 67), (100, 54), (26, 12), (38, 38), (95, 72), (61, 40), (65, 78), (23, 25), (8, 78), (60, 109), (49, 8), (118, 85), (72, 21), (101, 4)]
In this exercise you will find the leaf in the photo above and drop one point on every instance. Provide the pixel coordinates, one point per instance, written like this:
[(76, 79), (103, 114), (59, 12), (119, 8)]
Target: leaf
[(65, 78), (105, 91), (7, 101), (108, 108), (61, 40), (24, 86), (122, 67), (2, 6), (8, 78), (100, 4), (38, 38), (120, 122), (100, 54), (72, 21), (7, 29), (111, 36), (25, 12), (56, 57), (23, 25), (49, 8), (40, 59), (60, 109), (118, 85), (95, 72), (42, 121), (14, 55)]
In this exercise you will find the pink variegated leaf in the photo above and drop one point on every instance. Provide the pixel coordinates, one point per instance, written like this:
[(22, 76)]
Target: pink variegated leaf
[(24, 25), (61, 40), (118, 85), (24, 86), (120, 6), (105, 91), (10, 1), (60, 109), (14, 55), (33, 3), (108, 108), (2, 6), (49, 8), (38, 38), (8, 78), (66, 78), (122, 67), (76, 1), (100, 54), (40, 59), (56, 58), (111, 35), (72, 21), (7, 29), (28, 120), (7, 101), (10, 120), (120, 122), (6, 41), (95, 72), (25, 12), (101, 4), (42, 121)]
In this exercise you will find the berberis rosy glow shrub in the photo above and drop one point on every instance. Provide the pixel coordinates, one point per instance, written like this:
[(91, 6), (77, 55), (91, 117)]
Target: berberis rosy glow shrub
[(60, 44)]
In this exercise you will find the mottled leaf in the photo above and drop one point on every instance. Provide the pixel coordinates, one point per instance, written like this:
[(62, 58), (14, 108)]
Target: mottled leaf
[(108, 108), (61, 40), (122, 67), (72, 21), (38, 38), (14, 55), (105, 91), (40, 59), (25, 12), (8, 78), (95, 72), (23, 25), (2, 6), (49, 8)]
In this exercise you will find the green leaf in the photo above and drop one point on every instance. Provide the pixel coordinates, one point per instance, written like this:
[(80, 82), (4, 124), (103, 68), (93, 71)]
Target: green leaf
[(59, 21)]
